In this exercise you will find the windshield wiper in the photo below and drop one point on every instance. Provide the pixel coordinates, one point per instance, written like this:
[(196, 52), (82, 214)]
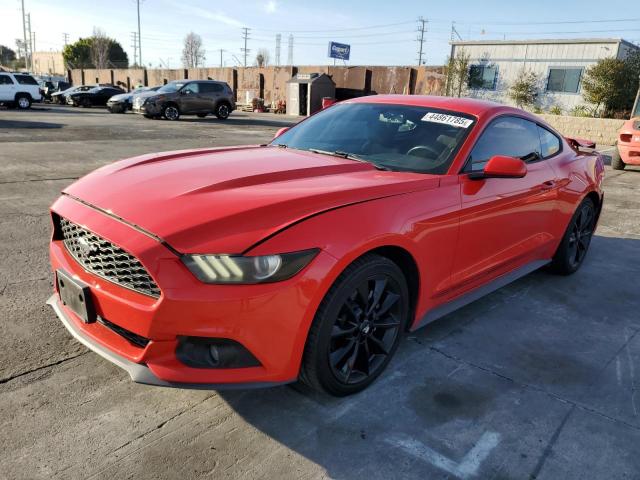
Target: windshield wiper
[(348, 156)]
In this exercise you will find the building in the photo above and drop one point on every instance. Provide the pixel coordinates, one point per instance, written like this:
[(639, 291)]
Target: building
[(48, 63), (560, 65)]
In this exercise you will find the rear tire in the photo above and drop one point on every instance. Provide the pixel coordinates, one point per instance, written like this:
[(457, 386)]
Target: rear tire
[(616, 160), (223, 110), (23, 102), (357, 327), (576, 240)]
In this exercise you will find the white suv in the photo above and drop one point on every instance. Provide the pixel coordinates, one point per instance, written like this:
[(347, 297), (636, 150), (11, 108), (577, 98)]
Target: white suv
[(19, 90)]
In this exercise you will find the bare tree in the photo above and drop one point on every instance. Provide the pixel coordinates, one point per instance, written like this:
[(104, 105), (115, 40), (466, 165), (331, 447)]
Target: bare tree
[(100, 45), (457, 74), (262, 58), (193, 53)]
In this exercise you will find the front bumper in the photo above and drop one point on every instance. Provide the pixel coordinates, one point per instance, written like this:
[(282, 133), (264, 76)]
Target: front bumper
[(271, 321)]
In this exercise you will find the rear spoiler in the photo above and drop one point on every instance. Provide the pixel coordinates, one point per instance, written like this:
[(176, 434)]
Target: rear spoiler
[(580, 142)]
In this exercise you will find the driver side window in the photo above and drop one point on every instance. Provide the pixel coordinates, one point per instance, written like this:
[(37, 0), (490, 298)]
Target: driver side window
[(191, 87), (511, 136)]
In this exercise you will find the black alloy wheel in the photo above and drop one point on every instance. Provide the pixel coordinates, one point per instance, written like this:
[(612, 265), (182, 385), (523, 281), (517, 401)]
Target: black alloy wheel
[(357, 327), (577, 238)]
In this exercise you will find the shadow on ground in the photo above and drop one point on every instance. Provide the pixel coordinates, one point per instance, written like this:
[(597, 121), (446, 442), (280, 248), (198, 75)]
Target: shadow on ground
[(12, 124)]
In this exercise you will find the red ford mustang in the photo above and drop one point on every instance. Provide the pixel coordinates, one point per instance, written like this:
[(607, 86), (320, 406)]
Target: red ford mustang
[(307, 258)]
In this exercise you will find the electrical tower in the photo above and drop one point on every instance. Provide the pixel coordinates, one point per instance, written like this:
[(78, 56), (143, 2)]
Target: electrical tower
[(454, 32), (65, 36), (290, 56), (278, 38), (134, 45), (221, 50), (245, 37), (422, 28)]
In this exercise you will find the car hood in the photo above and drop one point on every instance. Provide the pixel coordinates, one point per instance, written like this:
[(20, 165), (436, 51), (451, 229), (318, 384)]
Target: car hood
[(121, 97), (225, 200)]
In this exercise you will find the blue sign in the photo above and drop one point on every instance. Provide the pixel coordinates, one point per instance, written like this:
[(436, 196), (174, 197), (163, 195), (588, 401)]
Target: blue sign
[(340, 51)]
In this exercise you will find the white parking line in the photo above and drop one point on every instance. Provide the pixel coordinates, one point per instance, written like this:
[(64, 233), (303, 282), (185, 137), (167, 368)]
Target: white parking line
[(464, 469)]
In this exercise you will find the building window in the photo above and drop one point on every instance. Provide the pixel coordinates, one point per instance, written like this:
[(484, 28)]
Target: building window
[(565, 80), (483, 76)]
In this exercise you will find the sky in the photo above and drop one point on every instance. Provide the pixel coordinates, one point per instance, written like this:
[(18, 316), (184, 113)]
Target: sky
[(380, 32)]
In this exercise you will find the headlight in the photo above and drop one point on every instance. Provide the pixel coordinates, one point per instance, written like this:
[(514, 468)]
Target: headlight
[(239, 269)]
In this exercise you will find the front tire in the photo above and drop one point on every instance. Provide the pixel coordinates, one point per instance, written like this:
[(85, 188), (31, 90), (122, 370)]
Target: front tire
[(171, 112), (576, 240), (616, 160), (357, 327)]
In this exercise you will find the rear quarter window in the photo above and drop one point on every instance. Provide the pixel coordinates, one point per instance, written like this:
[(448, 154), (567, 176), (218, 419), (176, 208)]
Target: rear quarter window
[(549, 143), (26, 80)]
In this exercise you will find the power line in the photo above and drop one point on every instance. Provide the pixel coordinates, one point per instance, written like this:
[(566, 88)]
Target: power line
[(245, 37), (337, 29), (421, 30)]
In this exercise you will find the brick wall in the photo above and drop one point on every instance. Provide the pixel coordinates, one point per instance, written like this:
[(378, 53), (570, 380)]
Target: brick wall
[(603, 131), (271, 82)]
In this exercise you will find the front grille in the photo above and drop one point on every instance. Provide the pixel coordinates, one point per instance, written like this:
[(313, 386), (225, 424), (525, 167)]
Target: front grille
[(106, 260), (137, 340)]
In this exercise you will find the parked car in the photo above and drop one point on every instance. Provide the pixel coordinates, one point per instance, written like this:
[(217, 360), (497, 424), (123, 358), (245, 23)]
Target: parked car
[(97, 96), (61, 96), (124, 101), (188, 97), (19, 90), (627, 149), (309, 257), (49, 87)]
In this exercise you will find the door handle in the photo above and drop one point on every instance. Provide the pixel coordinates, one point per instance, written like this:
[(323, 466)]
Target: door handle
[(548, 185)]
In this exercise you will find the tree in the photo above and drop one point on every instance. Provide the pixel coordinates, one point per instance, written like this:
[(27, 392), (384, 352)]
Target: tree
[(100, 49), (457, 74), (524, 90), (262, 58), (7, 56), (193, 54), (83, 54), (603, 86)]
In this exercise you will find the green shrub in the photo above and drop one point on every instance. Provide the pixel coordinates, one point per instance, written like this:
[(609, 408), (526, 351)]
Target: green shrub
[(581, 111), (555, 110)]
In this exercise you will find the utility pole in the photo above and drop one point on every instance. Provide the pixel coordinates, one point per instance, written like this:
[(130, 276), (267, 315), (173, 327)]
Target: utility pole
[(30, 43), (139, 37), (421, 29), (134, 45), (290, 55), (24, 36), (65, 36), (221, 50), (245, 37), (278, 38)]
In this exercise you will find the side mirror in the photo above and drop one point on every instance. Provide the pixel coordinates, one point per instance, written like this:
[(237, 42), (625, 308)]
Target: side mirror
[(185, 92), (280, 132), (501, 166)]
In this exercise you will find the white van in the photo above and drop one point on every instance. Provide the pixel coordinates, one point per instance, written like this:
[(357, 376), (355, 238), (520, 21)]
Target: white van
[(19, 90)]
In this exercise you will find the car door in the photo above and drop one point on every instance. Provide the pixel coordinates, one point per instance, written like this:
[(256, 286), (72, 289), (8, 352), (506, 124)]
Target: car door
[(190, 98), (7, 88), (505, 223), (211, 92)]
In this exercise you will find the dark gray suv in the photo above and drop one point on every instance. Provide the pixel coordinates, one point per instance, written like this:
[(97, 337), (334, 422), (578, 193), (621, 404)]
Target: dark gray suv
[(187, 97)]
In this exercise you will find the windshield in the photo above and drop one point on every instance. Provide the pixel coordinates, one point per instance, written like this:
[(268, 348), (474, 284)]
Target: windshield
[(171, 87), (394, 137)]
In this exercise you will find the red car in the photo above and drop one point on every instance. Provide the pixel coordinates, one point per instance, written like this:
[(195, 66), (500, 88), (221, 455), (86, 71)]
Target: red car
[(307, 258), (627, 151)]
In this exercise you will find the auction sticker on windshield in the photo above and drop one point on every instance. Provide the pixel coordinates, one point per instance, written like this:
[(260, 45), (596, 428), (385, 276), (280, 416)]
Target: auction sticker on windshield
[(447, 119)]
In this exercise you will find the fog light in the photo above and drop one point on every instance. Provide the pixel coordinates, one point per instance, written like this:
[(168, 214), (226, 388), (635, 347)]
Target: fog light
[(205, 352)]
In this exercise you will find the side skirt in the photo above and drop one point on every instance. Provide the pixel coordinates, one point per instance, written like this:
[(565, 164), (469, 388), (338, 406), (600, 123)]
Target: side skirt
[(465, 299)]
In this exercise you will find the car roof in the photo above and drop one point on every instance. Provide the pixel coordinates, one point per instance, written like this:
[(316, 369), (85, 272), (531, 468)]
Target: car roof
[(472, 106)]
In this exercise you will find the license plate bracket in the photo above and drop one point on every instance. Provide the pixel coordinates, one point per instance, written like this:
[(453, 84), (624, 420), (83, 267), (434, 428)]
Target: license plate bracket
[(76, 295)]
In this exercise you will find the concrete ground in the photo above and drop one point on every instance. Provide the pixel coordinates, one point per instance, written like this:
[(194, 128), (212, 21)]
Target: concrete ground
[(539, 380)]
